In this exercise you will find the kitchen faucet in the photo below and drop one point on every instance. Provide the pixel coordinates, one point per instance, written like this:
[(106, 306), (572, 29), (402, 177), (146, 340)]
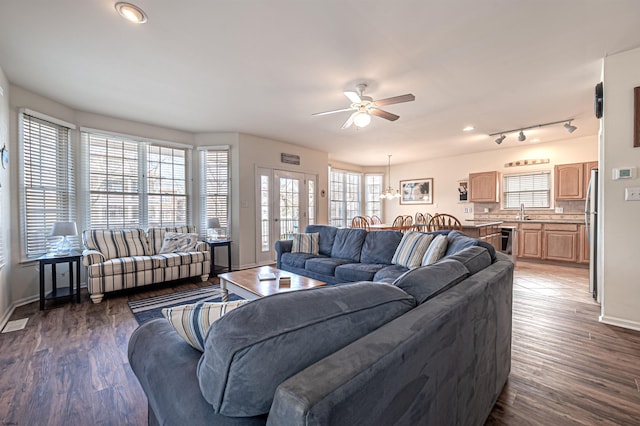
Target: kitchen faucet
[(523, 216)]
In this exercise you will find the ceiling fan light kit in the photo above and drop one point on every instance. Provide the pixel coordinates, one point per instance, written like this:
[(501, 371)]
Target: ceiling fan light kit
[(522, 137), (364, 107)]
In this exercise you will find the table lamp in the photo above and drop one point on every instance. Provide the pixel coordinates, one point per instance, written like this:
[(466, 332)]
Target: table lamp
[(213, 223), (63, 229)]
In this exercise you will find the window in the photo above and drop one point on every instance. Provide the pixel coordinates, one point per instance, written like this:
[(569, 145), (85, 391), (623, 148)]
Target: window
[(215, 186), (135, 184), (48, 190), (344, 197), (372, 191), (530, 189), (311, 191)]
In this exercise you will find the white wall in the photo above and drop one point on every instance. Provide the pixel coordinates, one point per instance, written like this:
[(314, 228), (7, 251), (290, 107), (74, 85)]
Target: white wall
[(5, 202), (619, 226), (446, 172)]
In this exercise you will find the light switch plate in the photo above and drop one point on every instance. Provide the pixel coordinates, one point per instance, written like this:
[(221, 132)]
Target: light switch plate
[(632, 194)]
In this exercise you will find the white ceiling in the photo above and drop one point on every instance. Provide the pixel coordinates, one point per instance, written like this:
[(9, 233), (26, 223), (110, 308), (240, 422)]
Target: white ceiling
[(263, 67)]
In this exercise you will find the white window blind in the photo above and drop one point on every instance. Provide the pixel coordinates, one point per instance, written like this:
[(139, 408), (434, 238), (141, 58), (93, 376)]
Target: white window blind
[(215, 187), (135, 184), (532, 190), (48, 190), (344, 197), (373, 189)]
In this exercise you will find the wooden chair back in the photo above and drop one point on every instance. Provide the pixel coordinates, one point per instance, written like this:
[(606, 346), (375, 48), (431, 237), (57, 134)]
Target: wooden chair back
[(398, 222), (444, 221), (375, 220), (360, 222)]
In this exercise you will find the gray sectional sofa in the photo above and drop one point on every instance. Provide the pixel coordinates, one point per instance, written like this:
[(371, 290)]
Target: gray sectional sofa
[(352, 254), (432, 348)]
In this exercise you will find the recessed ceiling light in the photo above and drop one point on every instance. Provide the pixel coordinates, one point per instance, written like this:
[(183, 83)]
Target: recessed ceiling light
[(468, 129), (131, 13), (535, 140)]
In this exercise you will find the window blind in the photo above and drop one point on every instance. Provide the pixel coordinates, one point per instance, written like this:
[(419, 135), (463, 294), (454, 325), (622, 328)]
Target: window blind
[(344, 197), (215, 187), (532, 190), (48, 190)]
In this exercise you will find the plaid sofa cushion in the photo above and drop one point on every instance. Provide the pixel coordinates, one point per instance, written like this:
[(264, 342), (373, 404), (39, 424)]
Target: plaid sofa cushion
[(183, 258), (156, 235), (124, 265), (114, 243)]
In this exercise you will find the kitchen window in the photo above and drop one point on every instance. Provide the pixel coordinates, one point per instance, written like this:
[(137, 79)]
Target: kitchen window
[(531, 189)]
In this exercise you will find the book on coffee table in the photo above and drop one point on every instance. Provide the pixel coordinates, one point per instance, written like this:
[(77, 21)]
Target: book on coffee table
[(267, 276)]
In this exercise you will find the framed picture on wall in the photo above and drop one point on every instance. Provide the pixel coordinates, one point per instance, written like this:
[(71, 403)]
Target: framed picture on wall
[(416, 191), (463, 187)]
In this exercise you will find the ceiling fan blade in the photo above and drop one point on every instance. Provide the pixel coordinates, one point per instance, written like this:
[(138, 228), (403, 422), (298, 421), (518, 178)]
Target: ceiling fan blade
[(395, 100), (334, 111), (349, 121), (384, 114), (353, 97)]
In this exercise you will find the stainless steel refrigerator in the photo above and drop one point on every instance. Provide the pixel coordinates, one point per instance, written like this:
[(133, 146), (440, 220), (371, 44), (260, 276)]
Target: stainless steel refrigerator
[(591, 222)]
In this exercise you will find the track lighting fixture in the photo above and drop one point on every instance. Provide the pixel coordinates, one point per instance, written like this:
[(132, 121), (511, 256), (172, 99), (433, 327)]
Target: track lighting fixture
[(569, 127), (522, 137)]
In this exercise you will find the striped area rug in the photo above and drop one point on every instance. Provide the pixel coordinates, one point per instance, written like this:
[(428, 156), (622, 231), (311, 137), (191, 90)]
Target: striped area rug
[(147, 309)]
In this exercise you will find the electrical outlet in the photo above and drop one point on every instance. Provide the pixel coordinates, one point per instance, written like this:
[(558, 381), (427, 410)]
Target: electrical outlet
[(559, 209), (632, 194), (486, 210)]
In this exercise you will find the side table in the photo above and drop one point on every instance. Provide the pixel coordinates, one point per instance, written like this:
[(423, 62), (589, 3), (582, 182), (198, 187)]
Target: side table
[(212, 246), (56, 293)]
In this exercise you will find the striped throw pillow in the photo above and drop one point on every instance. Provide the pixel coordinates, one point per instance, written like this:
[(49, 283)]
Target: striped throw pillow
[(411, 249), (306, 243), (193, 321), (436, 250)]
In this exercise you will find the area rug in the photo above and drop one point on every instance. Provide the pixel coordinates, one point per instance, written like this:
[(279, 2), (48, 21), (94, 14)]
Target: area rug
[(147, 309)]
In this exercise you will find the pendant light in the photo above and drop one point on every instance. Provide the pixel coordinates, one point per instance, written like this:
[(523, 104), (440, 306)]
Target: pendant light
[(389, 193)]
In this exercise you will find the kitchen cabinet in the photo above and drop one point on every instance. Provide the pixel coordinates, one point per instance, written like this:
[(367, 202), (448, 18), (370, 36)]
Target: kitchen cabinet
[(560, 242), (489, 232), (530, 240), (483, 187), (572, 180)]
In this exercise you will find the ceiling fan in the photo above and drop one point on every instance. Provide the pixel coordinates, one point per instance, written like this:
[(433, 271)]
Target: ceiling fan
[(364, 107)]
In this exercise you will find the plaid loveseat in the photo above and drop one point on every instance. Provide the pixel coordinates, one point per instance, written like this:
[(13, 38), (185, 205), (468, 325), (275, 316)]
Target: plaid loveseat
[(127, 258)]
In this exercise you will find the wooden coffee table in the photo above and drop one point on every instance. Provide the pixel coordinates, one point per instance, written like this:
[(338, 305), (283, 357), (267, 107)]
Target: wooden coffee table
[(245, 283)]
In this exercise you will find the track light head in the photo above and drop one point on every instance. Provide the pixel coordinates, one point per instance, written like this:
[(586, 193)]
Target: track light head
[(500, 139), (569, 127), (521, 136)]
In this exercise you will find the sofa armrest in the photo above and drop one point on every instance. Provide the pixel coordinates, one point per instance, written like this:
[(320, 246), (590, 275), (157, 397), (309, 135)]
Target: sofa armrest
[(89, 257), (282, 246), (165, 366), (202, 246)]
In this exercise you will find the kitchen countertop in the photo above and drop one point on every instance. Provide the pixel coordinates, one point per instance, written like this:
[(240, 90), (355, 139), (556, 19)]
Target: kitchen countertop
[(568, 221), (481, 223)]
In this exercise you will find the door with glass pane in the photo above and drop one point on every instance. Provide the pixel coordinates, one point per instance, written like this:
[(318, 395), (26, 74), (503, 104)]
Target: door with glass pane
[(286, 205)]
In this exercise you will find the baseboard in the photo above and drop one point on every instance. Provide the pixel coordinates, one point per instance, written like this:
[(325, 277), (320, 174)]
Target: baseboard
[(5, 318), (619, 322)]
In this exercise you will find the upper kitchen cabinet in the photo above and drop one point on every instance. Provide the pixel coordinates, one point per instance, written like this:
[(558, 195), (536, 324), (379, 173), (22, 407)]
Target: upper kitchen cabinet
[(571, 180), (483, 187)]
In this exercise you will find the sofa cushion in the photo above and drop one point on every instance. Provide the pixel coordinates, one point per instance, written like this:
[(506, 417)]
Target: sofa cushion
[(250, 351), (326, 237), (459, 241), (474, 259), (436, 250), (427, 282), (155, 236), (123, 265), (411, 249), (380, 246), (324, 265), (192, 321), (117, 243), (174, 259), (357, 271), (348, 244), (306, 243), (297, 260), (174, 242), (389, 274)]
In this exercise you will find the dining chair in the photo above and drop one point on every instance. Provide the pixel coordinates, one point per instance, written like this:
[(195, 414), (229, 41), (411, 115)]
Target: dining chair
[(398, 222), (375, 220), (444, 221), (407, 223), (360, 222), (419, 222)]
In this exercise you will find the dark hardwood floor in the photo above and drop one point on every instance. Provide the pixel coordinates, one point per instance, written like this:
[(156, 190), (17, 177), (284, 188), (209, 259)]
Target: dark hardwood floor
[(69, 365)]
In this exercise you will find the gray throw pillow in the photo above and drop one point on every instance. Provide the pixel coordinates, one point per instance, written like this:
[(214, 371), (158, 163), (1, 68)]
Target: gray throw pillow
[(250, 351)]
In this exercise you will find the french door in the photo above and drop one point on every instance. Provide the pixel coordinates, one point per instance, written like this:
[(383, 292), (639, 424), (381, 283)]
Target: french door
[(286, 205)]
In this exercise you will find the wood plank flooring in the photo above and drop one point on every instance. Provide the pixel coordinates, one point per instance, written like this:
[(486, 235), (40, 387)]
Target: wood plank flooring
[(69, 365)]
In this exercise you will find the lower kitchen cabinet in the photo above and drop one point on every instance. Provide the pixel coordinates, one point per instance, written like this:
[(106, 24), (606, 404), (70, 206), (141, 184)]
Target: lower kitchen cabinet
[(560, 242), (530, 240)]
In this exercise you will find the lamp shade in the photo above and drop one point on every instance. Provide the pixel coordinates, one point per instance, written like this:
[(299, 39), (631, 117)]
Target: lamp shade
[(63, 229), (213, 222)]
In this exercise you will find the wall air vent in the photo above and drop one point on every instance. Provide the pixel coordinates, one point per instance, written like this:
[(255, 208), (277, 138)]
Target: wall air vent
[(290, 159)]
